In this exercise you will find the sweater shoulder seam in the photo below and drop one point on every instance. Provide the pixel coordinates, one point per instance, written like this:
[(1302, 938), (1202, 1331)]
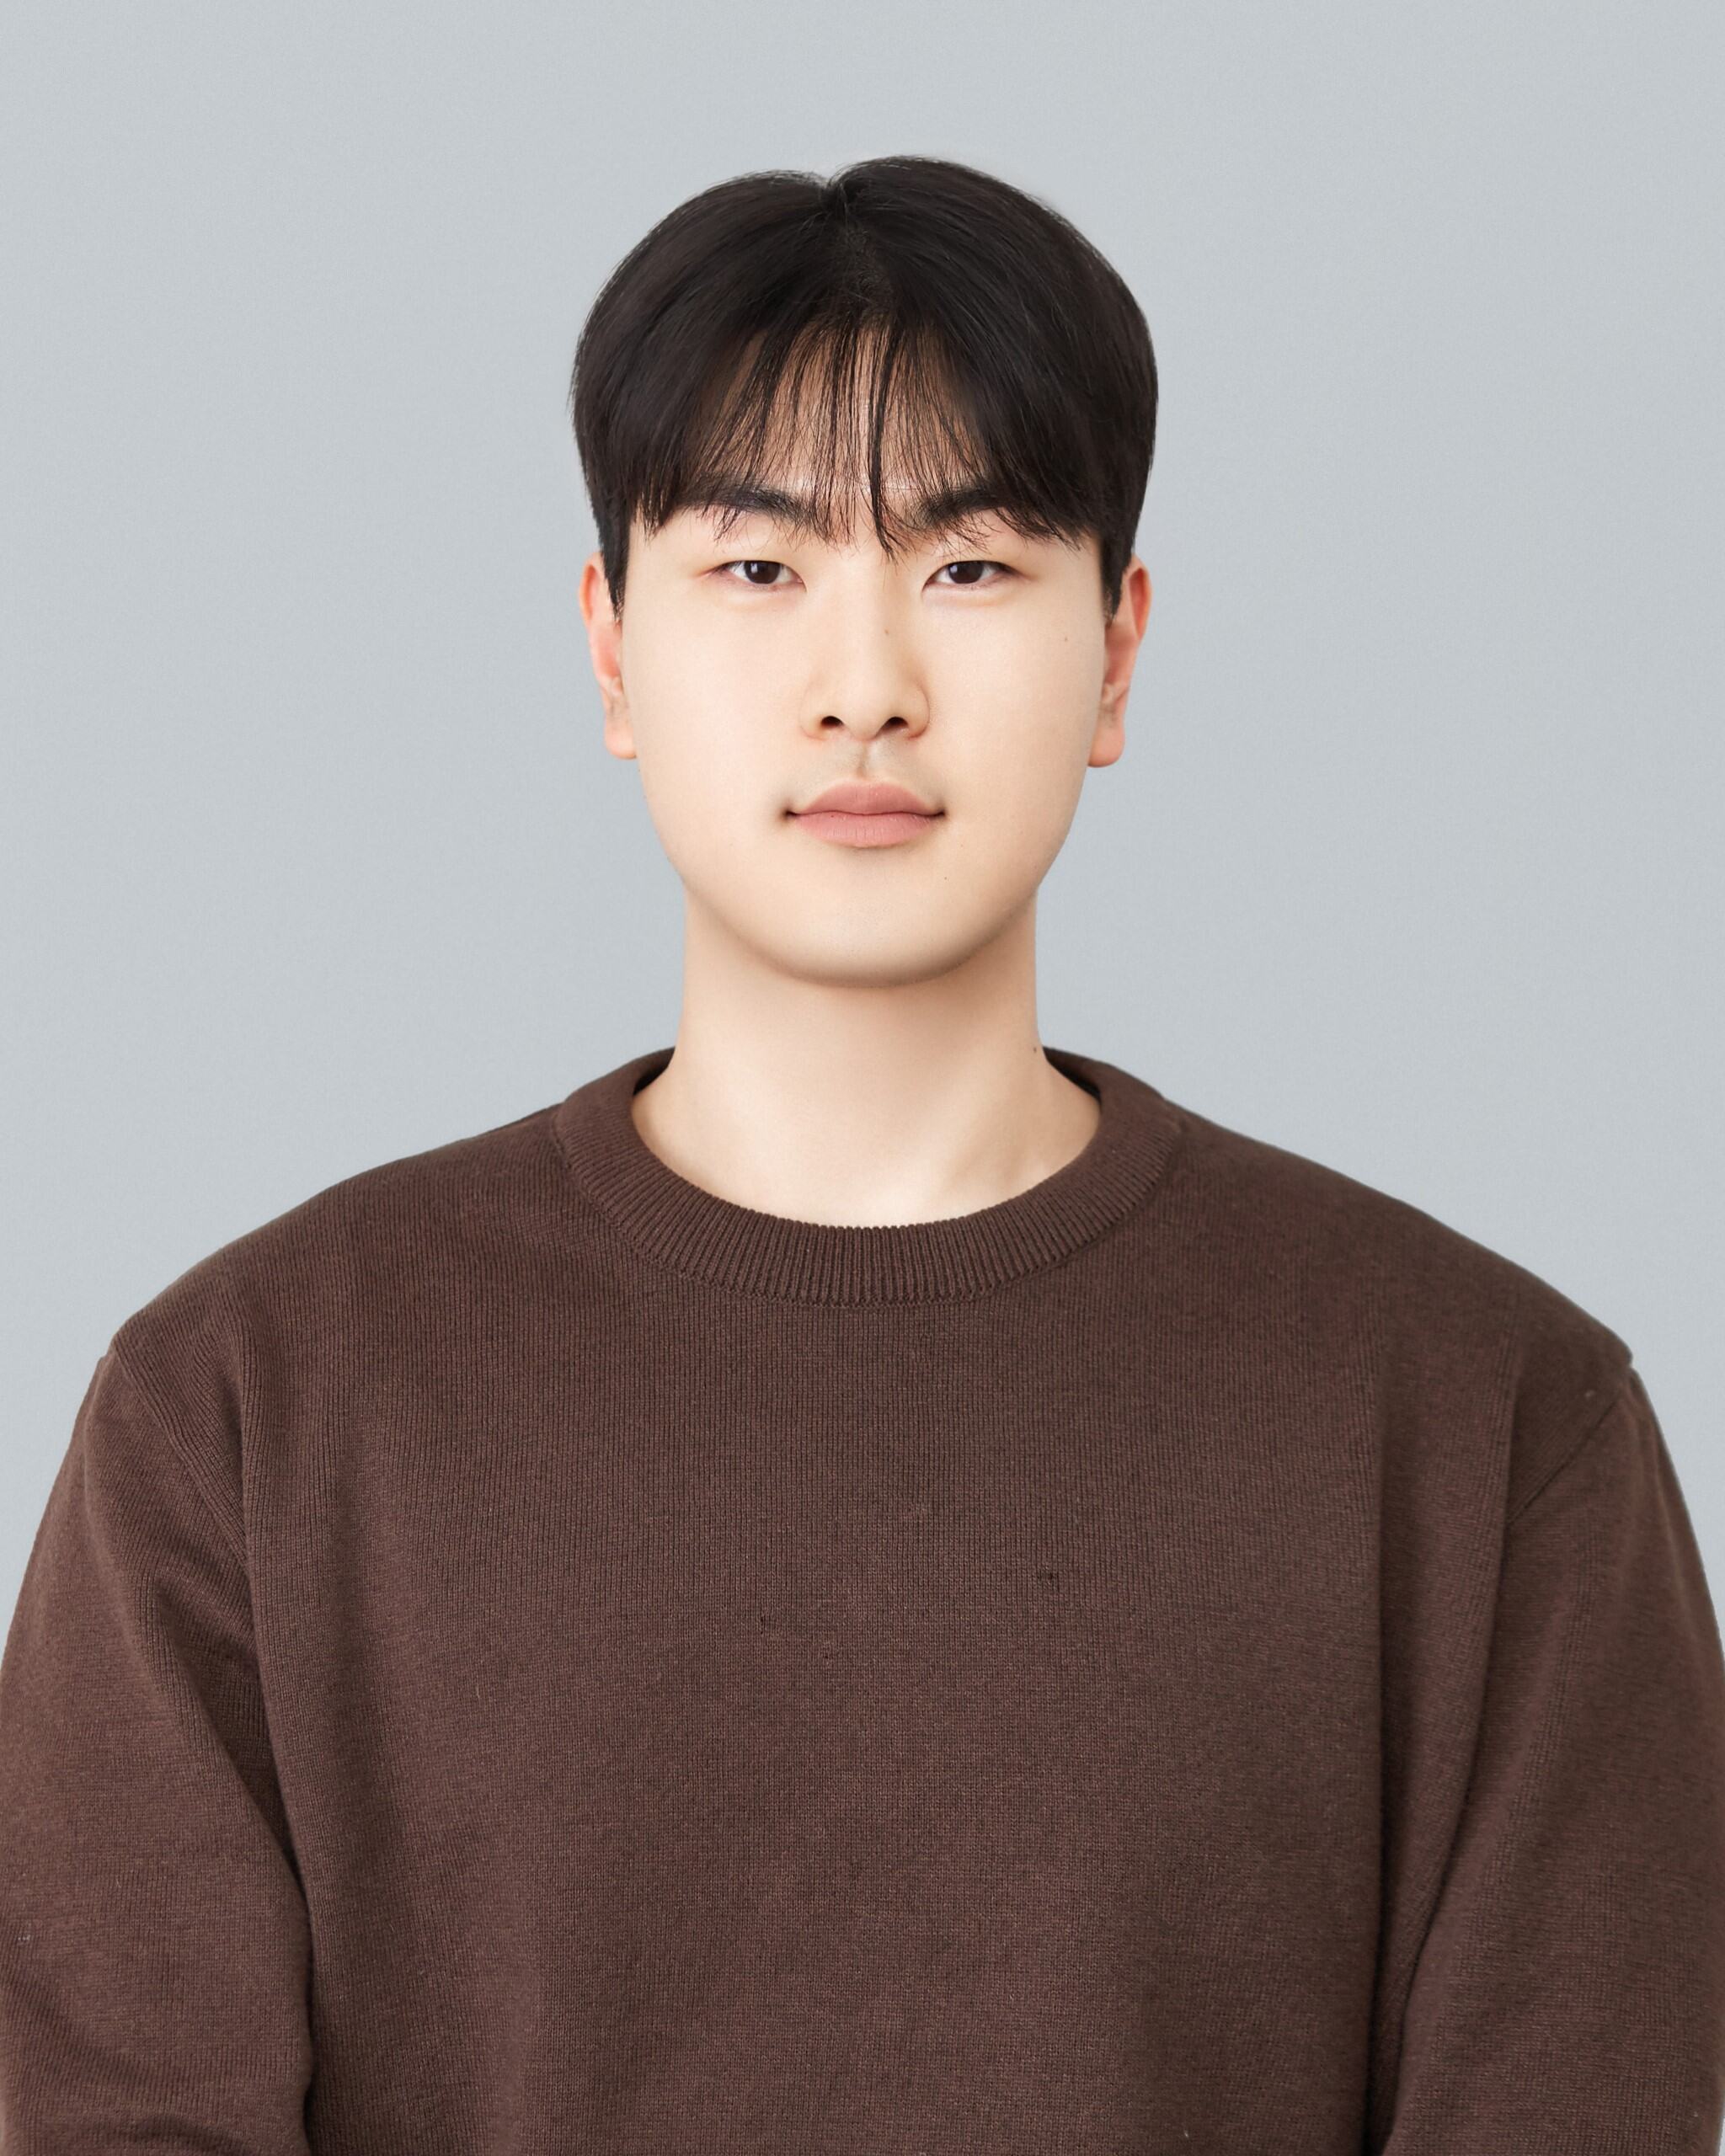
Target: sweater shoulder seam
[(1583, 1443), (182, 1452)]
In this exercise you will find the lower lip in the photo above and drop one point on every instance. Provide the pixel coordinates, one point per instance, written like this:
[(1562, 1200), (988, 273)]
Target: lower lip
[(865, 830)]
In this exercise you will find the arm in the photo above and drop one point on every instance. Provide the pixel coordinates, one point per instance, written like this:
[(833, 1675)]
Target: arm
[(154, 1943), (1570, 1992)]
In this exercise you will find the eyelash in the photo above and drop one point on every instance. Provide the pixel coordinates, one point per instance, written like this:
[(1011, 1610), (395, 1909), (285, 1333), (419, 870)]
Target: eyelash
[(724, 567)]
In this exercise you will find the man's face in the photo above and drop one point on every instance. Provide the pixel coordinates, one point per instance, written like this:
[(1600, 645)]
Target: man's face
[(751, 674)]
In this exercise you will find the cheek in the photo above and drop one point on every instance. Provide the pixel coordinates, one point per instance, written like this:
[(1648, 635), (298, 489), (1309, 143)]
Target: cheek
[(1034, 820), (687, 743), (1025, 712), (1027, 740), (691, 785), (1038, 667), (1063, 677), (710, 792)]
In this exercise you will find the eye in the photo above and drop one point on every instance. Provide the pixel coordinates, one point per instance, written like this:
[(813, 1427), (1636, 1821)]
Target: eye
[(972, 583), (753, 584)]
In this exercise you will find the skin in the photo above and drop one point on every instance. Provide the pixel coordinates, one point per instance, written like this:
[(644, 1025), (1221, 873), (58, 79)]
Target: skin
[(858, 1041)]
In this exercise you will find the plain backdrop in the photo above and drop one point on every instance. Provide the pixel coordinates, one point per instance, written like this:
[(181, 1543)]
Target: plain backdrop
[(313, 856)]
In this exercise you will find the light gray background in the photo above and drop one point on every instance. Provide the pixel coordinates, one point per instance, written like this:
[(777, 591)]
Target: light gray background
[(313, 856)]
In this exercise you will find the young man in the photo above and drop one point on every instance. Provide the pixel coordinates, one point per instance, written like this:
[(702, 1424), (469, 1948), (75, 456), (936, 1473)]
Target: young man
[(864, 1584)]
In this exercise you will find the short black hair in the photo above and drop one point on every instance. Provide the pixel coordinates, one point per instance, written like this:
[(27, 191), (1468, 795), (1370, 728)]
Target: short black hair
[(1008, 355)]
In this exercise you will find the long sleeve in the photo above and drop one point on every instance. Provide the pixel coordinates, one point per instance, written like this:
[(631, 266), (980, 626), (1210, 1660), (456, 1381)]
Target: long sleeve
[(154, 1942), (1569, 1999)]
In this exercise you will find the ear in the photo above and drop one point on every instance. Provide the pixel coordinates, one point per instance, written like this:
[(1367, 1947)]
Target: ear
[(1121, 640), (604, 642)]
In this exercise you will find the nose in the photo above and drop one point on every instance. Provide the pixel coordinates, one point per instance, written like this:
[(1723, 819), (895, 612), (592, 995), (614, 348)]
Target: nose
[(866, 664)]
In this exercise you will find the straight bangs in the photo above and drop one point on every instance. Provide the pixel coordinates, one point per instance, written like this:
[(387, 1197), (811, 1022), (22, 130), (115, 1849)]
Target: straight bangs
[(809, 427)]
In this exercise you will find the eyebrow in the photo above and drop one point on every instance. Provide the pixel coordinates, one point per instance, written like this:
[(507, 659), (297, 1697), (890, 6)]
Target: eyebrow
[(942, 510)]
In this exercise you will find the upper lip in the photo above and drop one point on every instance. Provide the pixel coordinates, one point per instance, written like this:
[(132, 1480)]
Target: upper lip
[(859, 797)]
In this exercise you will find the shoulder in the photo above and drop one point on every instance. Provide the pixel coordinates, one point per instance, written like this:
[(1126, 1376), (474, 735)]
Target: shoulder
[(314, 1280), (1439, 1318)]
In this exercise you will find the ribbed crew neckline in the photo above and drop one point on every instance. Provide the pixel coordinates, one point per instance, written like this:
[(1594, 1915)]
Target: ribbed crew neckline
[(768, 1254)]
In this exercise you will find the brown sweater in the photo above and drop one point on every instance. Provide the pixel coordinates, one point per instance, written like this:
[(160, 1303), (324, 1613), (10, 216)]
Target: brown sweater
[(525, 1655)]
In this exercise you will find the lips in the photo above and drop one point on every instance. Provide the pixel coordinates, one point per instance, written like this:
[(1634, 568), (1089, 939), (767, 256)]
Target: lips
[(866, 797), (861, 817)]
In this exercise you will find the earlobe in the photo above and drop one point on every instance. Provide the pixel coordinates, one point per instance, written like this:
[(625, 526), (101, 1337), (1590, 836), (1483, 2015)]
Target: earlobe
[(618, 734), (1107, 744), (618, 728)]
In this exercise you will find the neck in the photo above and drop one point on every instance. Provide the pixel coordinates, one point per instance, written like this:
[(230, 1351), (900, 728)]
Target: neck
[(859, 1103)]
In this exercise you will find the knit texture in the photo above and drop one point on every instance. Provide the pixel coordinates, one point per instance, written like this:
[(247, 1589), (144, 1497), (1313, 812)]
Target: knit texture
[(523, 1654)]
